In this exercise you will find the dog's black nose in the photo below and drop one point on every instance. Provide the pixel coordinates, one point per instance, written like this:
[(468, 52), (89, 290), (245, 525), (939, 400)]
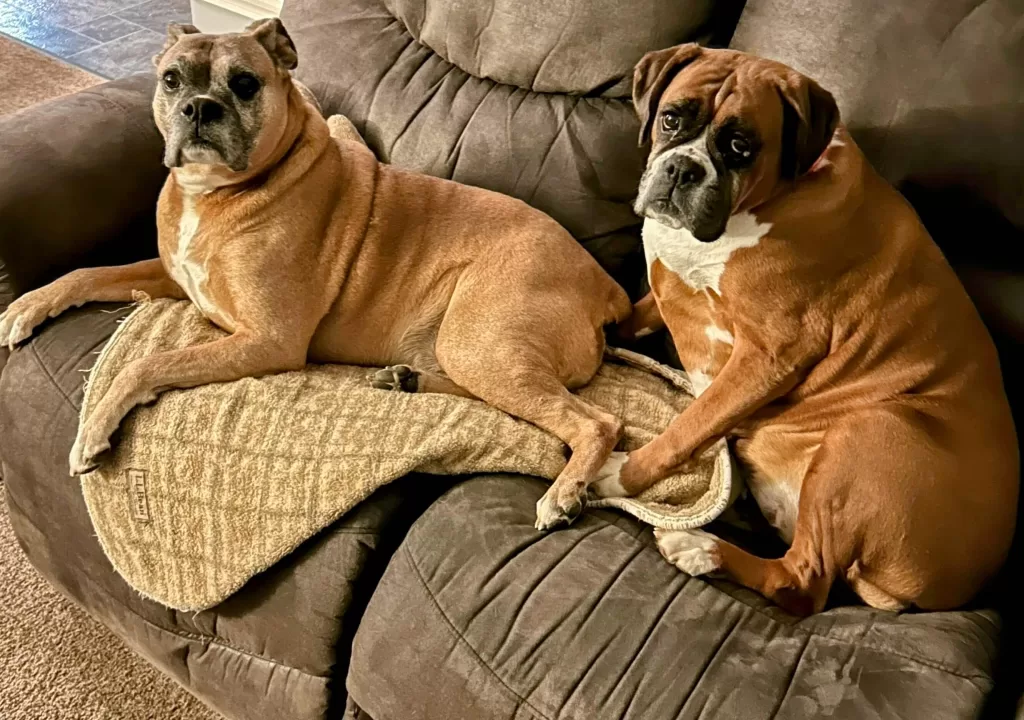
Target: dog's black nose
[(682, 170), (203, 110)]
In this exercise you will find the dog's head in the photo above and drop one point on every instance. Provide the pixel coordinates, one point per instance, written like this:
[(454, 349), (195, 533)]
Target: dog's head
[(222, 100), (724, 127)]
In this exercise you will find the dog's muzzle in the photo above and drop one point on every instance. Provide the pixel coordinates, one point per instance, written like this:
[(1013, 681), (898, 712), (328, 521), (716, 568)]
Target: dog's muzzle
[(682, 188)]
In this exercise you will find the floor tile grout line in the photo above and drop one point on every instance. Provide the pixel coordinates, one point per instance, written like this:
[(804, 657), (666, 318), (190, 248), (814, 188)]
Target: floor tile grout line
[(110, 15), (114, 41)]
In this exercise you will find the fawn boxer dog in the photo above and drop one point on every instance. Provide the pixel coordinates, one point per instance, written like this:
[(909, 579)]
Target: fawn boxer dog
[(825, 333), (304, 247)]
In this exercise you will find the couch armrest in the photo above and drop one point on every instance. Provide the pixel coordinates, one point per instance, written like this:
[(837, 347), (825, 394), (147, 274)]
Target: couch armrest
[(79, 180)]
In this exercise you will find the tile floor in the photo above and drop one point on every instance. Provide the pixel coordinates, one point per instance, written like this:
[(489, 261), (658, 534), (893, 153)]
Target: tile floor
[(112, 38)]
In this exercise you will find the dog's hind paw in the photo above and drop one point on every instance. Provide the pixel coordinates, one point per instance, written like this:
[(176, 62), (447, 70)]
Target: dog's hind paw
[(558, 508), (398, 378)]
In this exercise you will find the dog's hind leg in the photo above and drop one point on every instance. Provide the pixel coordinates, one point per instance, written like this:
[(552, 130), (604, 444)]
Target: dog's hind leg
[(590, 433), (519, 379)]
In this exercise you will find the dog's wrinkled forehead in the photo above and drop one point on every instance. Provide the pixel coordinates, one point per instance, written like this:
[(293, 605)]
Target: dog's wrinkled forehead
[(200, 58), (724, 89)]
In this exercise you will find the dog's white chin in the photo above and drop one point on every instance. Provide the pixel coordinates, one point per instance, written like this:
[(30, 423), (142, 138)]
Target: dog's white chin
[(647, 210), (201, 155)]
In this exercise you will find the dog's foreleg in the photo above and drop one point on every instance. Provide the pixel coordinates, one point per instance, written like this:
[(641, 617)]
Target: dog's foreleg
[(102, 284), (750, 379), (243, 354), (645, 320)]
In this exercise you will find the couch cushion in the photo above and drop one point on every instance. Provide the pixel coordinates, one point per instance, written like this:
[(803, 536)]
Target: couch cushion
[(531, 99), (271, 650), (481, 616)]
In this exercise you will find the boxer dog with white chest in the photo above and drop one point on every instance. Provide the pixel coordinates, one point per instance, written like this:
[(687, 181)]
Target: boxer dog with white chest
[(825, 334)]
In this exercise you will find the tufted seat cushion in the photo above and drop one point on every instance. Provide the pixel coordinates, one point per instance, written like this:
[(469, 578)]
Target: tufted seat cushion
[(526, 97), (479, 616)]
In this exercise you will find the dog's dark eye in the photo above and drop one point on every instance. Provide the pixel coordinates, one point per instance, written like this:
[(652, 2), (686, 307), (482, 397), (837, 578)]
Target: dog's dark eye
[(737, 147), (740, 146), (670, 121), (244, 85), (171, 80)]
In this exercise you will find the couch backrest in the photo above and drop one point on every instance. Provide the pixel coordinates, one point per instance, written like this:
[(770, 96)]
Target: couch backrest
[(527, 97)]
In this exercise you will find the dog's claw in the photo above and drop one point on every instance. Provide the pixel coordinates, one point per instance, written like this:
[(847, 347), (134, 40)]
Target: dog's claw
[(82, 460), (398, 378), (14, 329)]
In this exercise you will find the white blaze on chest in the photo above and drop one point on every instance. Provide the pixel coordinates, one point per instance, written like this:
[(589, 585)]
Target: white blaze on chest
[(717, 334), (187, 269), (699, 380), (700, 264), (779, 501)]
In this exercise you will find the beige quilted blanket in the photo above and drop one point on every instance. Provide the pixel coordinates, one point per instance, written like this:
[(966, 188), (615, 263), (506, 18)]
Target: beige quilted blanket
[(210, 486)]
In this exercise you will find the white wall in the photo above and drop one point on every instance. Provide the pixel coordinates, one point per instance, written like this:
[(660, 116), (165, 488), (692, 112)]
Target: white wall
[(231, 15)]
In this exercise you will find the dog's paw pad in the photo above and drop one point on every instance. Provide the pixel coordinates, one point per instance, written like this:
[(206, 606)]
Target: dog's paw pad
[(398, 378), (695, 552), (608, 484)]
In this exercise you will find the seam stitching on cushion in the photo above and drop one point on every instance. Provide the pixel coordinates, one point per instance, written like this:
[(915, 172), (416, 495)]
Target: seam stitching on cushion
[(744, 612), (562, 127), (455, 631), (430, 94), (49, 376), (196, 637), (792, 677), (456, 150), (647, 636)]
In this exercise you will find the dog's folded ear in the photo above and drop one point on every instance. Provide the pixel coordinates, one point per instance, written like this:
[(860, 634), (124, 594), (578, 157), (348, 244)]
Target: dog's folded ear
[(271, 34), (809, 119), (650, 78), (174, 33)]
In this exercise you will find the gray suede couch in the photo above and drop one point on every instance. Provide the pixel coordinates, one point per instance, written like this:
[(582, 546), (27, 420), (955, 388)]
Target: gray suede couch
[(436, 598)]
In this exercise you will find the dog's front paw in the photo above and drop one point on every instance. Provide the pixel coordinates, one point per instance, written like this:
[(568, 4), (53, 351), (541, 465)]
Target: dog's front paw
[(19, 320), (85, 453), (695, 552), (559, 506), (399, 378), (608, 483)]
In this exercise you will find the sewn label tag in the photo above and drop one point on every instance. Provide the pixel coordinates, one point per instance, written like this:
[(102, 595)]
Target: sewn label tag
[(139, 499)]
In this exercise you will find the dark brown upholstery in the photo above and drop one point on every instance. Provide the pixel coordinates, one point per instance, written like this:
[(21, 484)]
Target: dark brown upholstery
[(591, 622), (477, 615)]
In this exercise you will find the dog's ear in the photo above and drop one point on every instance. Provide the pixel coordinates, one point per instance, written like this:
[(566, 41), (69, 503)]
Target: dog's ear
[(809, 118), (650, 78), (174, 33), (271, 34)]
